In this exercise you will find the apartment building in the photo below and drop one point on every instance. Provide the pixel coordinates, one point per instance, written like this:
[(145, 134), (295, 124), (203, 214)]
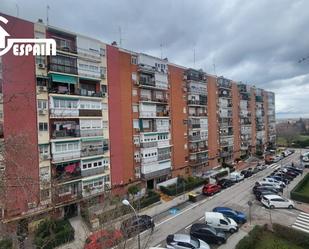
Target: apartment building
[(97, 117), (55, 124)]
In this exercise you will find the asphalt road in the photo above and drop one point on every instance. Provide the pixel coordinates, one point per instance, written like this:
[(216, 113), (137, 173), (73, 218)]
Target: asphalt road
[(235, 197)]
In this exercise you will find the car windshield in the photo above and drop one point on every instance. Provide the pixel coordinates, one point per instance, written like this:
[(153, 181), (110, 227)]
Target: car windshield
[(195, 242)]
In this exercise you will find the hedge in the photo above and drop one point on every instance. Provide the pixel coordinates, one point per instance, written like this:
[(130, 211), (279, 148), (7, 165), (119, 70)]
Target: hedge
[(297, 237), (6, 243), (250, 240), (53, 233), (182, 187), (120, 210), (296, 195)]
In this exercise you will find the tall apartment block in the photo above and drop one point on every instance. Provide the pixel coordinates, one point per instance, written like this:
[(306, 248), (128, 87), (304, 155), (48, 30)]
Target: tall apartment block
[(96, 118), (56, 129)]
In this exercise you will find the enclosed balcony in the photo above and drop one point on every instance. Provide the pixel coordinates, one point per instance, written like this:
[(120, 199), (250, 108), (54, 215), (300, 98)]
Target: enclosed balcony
[(66, 171), (224, 93), (63, 64), (198, 147), (160, 97), (65, 42), (196, 159), (90, 88), (62, 84), (93, 147), (147, 79), (164, 154), (67, 192), (65, 129), (195, 75), (224, 83)]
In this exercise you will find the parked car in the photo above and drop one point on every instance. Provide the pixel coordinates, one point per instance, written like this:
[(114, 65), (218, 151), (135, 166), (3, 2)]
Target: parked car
[(133, 225), (261, 167), (225, 183), (236, 176), (268, 184), (284, 175), (103, 239), (207, 233), (279, 178), (289, 172), (237, 216), (211, 189), (254, 170), (257, 188), (276, 201), (246, 173), (184, 241), (298, 170), (218, 220), (272, 180), (261, 193)]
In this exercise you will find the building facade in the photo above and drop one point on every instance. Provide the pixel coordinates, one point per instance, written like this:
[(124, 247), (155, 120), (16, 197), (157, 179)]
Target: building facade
[(97, 118)]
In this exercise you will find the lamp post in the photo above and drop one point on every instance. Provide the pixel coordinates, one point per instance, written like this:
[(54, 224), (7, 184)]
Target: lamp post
[(127, 203)]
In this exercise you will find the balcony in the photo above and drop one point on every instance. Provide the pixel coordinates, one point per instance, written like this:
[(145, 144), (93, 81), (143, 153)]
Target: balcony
[(62, 68), (259, 98), (195, 126), (66, 172), (68, 192), (165, 156), (163, 113), (90, 113), (153, 99), (66, 156), (62, 113), (226, 153), (93, 171), (60, 134), (65, 129), (197, 161), (197, 102), (91, 132), (85, 152), (196, 150), (195, 138), (149, 144), (224, 83), (195, 75)]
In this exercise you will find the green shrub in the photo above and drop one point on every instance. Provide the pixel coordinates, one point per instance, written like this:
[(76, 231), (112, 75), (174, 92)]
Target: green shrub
[(259, 153), (249, 241), (184, 186), (297, 237), (296, 194), (134, 189), (6, 243), (52, 233)]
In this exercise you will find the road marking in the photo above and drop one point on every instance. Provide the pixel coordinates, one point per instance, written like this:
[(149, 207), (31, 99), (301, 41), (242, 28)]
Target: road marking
[(188, 227), (158, 245), (302, 222), (202, 218)]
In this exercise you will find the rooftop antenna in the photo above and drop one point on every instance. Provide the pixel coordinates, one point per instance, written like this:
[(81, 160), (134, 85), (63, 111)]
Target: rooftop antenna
[(161, 50), (120, 36), (194, 56), (47, 14), (17, 10), (214, 65)]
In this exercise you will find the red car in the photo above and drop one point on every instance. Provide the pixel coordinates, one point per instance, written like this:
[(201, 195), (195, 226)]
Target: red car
[(211, 189), (103, 239)]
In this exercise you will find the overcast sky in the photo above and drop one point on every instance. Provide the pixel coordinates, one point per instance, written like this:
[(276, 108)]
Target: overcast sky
[(257, 42)]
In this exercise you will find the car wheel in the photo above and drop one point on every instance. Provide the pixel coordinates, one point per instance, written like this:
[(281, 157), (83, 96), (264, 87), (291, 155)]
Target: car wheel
[(232, 230), (290, 207), (220, 242), (272, 207)]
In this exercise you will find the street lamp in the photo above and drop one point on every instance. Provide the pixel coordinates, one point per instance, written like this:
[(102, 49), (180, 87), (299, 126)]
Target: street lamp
[(127, 203)]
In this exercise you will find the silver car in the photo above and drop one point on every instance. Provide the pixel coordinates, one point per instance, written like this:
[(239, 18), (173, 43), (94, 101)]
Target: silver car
[(184, 241)]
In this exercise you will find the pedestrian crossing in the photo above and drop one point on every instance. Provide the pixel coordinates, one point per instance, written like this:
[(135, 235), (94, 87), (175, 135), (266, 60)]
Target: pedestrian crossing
[(274, 166), (302, 222)]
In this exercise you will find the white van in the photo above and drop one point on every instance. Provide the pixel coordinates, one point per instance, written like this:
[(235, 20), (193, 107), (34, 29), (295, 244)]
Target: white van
[(218, 220), (236, 176)]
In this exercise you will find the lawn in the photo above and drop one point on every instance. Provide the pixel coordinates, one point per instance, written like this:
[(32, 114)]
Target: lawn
[(270, 241), (305, 189), (301, 191)]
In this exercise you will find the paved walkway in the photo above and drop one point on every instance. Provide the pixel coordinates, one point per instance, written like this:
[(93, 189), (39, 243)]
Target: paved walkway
[(81, 233)]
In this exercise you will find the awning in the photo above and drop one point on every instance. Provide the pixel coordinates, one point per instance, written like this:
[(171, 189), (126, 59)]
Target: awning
[(63, 78)]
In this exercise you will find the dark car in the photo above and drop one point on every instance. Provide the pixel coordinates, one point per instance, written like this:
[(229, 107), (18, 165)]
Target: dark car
[(211, 189), (225, 183), (290, 173), (237, 216), (254, 170), (133, 226), (294, 169), (282, 174), (207, 233), (246, 173), (260, 193), (257, 188)]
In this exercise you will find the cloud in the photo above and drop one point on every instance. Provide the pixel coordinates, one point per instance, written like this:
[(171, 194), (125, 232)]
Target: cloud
[(256, 42)]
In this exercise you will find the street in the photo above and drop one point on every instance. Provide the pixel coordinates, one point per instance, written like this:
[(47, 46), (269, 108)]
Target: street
[(236, 197)]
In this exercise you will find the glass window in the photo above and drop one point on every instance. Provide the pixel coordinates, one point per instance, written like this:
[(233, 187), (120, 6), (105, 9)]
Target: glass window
[(43, 126)]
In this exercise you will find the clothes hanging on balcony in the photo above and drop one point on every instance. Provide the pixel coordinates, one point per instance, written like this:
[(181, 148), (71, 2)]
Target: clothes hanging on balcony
[(70, 168)]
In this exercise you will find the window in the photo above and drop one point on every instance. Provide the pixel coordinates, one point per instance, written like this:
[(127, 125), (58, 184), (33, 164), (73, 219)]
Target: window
[(39, 60), (223, 222), (44, 149), (102, 51), (42, 104), (44, 194), (133, 60), (104, 106), (135, 108), (41, 81), (134, 92), (135, 124), (43, 126)]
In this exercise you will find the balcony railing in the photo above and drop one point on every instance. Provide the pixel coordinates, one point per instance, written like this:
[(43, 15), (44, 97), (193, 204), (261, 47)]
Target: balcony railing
[(66, 175), (65, 156), (91, 151), (195, 138), (65, 133), (88, 113), (163, 114), (196, 102), (164, 157), (93, 171), (91, 133), (198, 160), (226, 153), (198, 150), (149, 144), (153, 99), (62, 68)]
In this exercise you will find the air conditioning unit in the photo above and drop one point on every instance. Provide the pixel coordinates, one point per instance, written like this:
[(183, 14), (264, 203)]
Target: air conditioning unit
[(103, 94), (42, 66), (43, 88), (31, 205), (42, 112), (45, 157)]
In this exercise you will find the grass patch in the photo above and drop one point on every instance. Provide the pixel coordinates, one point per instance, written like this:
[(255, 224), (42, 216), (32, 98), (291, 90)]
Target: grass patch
[(271, 241), (301, 191)]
